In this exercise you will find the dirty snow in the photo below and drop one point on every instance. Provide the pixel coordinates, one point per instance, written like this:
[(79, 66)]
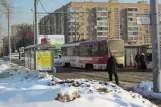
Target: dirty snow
[(26, 88)]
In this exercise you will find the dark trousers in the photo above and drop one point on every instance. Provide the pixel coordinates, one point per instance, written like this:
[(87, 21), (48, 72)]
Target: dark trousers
[(116, 78), (143, 65)]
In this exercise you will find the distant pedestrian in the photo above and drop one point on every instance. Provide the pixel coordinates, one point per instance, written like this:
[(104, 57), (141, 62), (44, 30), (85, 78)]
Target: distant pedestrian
[(137, 60), (142, 61), (112, 68)]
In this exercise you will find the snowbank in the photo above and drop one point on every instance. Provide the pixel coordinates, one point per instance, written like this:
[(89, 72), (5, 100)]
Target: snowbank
[(27, 88), (146, 90)]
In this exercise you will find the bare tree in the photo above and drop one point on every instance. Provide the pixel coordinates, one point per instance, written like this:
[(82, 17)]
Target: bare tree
[(5, 7)]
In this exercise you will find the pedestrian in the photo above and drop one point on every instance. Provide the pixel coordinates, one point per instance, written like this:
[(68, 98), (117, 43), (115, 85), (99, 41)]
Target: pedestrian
[(137, 60), (112, 67), (142, 61)]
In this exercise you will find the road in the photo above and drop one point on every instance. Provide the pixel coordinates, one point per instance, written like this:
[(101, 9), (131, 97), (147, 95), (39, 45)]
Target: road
[(128, 77)]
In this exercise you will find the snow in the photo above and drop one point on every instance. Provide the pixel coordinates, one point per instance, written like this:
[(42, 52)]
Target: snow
[(149, 65), (146, 89), (29, 88), (67, 91)]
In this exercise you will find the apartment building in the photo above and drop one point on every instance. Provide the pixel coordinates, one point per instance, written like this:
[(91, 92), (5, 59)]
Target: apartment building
[(100, 20)]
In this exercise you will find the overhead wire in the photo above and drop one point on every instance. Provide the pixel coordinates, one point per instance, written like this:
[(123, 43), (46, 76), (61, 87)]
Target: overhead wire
[(56, 2), (42, 6)]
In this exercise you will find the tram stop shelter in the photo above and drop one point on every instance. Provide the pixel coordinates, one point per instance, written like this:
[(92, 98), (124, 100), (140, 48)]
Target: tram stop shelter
[(40, 57)]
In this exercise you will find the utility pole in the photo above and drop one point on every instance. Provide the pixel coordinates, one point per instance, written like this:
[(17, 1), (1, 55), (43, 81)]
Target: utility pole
[(109, 23), (35, 34), (35, 8), (9, 39), (75, 26), (34, 26), (155, 46)]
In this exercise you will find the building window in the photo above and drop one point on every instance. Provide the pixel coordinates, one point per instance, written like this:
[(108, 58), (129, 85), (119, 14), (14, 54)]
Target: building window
[(146, 11), (82, 34)]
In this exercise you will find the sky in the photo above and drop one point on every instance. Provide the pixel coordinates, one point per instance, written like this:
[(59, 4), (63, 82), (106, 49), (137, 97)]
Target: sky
[(22, 12)]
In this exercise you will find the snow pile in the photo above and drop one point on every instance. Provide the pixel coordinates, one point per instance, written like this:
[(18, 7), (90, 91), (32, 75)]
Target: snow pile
[(67, 91), (146, 90), (3, 67), (67, 94), (102, 91), (20, 72), (27, 88)]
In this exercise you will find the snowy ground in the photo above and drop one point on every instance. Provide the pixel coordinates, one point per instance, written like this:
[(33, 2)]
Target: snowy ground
[(146, 89), (21, 87)]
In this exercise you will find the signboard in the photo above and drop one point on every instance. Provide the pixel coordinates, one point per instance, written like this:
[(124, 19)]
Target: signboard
[(56, 40), (44, 60), (143, 19)]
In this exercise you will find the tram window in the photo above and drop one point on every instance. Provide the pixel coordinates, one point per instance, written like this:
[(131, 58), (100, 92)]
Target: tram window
[(64, 51), (70, 51), (103, 49), (90, 50), (95, 50), (77, 51), (74, 51), (81, 50), (85, 50)]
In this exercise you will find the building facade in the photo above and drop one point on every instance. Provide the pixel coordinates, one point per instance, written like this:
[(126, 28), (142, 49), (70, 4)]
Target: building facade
[(99, 20)]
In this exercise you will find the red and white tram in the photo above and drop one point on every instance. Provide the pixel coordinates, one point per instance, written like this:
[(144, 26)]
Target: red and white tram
[(92, 54)]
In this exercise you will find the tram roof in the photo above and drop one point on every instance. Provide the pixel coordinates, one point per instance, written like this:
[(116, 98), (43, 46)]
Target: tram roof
[(72, 44), (88, 42)]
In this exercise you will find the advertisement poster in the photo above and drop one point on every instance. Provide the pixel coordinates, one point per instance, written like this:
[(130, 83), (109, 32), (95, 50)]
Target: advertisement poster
[(55, 40), (44, 60), (143, 19)]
